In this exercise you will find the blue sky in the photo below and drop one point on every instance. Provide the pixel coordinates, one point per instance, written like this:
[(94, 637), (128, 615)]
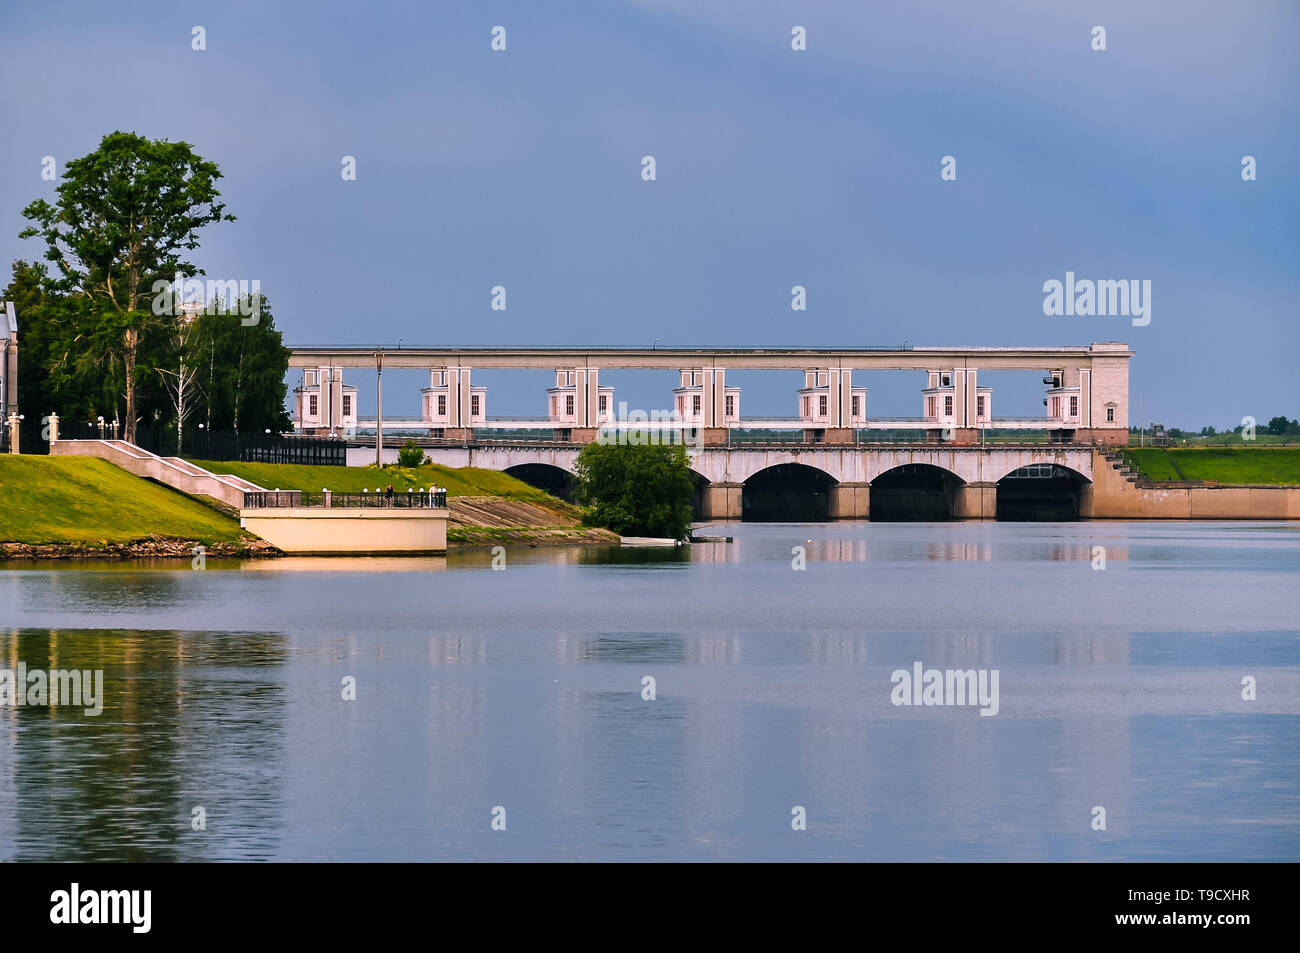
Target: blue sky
[(775, 168)]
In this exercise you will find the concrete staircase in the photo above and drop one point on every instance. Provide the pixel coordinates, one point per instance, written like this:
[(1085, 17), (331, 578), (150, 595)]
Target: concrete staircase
[(172, 471), (1116, 461)]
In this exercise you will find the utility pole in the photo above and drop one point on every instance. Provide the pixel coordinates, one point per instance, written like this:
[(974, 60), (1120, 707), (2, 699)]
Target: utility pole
[(379, 423)]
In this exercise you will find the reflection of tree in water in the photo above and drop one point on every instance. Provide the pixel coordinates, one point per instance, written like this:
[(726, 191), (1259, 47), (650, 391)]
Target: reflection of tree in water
[(190, 718)]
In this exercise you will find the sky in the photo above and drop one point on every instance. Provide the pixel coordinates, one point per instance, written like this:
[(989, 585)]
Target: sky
[(774, 167)]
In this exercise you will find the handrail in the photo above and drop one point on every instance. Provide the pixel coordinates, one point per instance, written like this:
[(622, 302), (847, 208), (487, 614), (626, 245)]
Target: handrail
[(283, 499)]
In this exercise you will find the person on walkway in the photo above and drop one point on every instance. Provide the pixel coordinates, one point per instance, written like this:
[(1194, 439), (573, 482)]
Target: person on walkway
[(389, 494)]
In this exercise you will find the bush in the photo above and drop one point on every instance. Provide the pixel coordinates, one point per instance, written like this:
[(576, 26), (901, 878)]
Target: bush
[(410, 454), (636, 490)]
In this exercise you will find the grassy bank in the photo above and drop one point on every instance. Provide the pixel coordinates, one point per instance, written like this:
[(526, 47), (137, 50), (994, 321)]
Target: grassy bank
[(86, 501), (1270, 465), (466, 481)]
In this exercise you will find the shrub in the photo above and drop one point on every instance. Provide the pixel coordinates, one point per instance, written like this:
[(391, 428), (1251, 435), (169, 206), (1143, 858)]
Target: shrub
[(410, 454), (636, 490)]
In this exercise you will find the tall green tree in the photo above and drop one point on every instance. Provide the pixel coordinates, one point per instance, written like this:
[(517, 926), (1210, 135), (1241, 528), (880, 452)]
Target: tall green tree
[(125, 217), (636, 490), (242, 362)]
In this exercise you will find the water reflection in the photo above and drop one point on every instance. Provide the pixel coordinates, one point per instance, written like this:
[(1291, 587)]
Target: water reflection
[(524, 688), (189, 719)]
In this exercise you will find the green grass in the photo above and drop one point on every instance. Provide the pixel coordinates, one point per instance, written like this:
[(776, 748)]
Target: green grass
[(83, 500), (1271, 465), (465, 481)]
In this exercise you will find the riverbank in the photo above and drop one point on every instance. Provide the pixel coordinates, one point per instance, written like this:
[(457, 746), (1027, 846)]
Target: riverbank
[(1240, 465), (78, 508)]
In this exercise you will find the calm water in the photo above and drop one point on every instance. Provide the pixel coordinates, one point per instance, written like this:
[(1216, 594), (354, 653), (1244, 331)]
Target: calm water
[(522, 689)]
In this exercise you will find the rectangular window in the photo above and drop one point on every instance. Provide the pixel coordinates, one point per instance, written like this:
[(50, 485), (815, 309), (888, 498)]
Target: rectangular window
[(803, 402), (857, 406), (947, 381), (604, 403), (1056, 407), (695, 404), (347, 405), (568, 405), (313, 405), (979, 406), (929, 406), (947, 406), (442, 405), (821, 405), (731, 405), (1110, 415), (474, 405), (1074, 407)]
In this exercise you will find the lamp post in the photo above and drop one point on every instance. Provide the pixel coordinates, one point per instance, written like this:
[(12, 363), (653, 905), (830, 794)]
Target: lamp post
[(379, 416), (100, 421)]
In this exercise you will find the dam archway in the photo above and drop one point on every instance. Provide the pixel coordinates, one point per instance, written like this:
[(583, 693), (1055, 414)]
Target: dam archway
[(917, 492), (545, 476), (1040, 491), (787, 492)]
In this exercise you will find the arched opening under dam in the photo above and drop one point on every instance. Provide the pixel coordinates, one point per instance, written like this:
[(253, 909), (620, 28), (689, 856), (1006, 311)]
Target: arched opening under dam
[(914, 492), (554, 480), (1040, 491), (787, 493), (699, 491)]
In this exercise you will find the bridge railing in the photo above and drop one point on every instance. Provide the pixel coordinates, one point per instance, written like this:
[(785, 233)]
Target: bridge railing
[(410, 499)]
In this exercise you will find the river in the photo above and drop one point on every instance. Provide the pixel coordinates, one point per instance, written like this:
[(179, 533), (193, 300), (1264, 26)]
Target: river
[(518, 698)]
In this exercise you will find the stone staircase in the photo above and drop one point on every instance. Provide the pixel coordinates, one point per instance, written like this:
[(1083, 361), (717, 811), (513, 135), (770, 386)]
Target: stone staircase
[(1116, 461), (173, 471)]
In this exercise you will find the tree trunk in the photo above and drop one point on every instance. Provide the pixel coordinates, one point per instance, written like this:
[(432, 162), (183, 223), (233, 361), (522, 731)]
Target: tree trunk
[(129, 345)]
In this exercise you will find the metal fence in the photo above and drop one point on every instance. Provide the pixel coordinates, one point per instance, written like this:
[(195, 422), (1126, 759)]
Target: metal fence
[(409, 500), (206, 445)]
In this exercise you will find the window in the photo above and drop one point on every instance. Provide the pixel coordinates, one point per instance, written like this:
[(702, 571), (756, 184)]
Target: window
[(1110, 415), (947, 406), (474, 405), (568, 405), (313, 406), (803, 403), (857, 406), (731, 405), (1074, 407), (604, 403), (929, 406), (347, 405), (442, 405), (1056, 406), (695, 405), (979, 406), (946, 381), (821, 405)]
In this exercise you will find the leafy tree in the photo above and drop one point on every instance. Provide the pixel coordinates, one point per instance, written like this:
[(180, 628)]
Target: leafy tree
[(241, 365), (636, 490), (1280, 426), (125, 216), (410, 454)]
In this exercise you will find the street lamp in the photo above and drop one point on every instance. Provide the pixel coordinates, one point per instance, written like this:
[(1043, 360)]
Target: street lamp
[(100, 421), (379, 417)]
